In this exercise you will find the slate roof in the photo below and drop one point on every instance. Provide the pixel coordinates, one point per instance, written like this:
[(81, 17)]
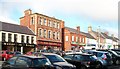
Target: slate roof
[(97, 34), (8, 27), (88, 35), (74, 31)]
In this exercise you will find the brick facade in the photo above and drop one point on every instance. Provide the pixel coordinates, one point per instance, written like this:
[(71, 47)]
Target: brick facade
[(47, 29)]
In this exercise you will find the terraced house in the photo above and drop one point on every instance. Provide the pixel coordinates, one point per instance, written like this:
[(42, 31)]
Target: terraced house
[(47, 29), (73, 38), (16, 38)]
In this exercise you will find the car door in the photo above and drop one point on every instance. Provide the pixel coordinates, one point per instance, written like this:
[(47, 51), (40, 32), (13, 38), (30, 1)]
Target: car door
[(77, 60), (9, 64)]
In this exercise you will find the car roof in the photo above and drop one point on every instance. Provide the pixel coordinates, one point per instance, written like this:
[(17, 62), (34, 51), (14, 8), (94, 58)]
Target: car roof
[(48, 53), (32, 57), (98, 51), (79, 54)]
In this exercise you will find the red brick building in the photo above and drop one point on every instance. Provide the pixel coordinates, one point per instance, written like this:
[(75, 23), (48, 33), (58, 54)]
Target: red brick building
[(73, 38), (47, 29)]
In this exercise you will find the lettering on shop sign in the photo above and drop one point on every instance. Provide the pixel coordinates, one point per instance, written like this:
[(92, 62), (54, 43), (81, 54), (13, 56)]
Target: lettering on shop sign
[(30, 45), (9, 43)]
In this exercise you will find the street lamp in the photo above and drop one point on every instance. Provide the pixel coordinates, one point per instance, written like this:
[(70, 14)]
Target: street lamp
[(99, 37)]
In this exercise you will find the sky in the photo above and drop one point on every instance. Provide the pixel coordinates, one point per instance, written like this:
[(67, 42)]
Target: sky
[(101, 14)]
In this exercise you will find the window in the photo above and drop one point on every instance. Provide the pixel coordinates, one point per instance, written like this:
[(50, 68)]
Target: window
[(22, 61), (11, 61), (15, 37), (53, 35), (53, 25), (49, 32), (9, 37), (40, 33), (57, 35), (49, 23), (44, 34), (22, 38), (58, 25), (32, 20), (66, 38), (76, 39), (72, 38), (82, 39), (27, 39), (3, 37), (45, 22), (32, 40), (40, 21)]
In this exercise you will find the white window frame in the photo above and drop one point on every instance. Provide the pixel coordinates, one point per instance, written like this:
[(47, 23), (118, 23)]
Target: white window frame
[(66, 38)]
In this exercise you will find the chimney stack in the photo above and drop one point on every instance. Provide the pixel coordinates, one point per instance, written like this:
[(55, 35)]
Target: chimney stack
[(89, 29), (78, 28), (27, 12)]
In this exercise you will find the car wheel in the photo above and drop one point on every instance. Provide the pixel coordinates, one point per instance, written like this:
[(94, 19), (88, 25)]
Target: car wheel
[(117, 62), (83, 67)]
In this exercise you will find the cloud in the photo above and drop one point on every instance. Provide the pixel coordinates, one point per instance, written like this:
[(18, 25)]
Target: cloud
[(95, 9)]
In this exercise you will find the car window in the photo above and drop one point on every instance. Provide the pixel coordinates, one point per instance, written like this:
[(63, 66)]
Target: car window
[(55, 58), (22, 61), (12, 60), (40, 62), (77, 57), (99, 54), (69, 57)]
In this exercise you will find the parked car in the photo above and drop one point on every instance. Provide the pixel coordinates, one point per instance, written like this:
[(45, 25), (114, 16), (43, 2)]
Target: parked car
[(104, 57), (27, 62), (115, 56), (83, 60), (115, 53), (6, 55), (58, 61)]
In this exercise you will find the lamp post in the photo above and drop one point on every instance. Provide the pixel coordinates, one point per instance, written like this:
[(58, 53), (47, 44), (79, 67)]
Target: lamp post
[(99, 37)]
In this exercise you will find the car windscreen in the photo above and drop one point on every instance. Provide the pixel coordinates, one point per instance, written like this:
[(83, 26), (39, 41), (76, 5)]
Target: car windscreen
[(39, 62), (55, 58)]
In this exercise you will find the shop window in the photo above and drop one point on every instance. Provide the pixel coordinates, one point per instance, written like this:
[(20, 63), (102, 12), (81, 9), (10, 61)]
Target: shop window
[(32, 40), (15, 37), (27, 41), (9, 37), (22, 38), (3, 37)]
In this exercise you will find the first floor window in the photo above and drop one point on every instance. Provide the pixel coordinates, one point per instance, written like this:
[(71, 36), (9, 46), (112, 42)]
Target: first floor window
[(66, 38)]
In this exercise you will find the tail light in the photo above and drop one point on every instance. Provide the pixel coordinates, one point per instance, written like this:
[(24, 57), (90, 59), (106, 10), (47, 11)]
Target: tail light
[(88, 62), (104, 57)]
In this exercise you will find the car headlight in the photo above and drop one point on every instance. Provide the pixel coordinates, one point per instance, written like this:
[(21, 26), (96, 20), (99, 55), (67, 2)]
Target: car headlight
[(58, 67)]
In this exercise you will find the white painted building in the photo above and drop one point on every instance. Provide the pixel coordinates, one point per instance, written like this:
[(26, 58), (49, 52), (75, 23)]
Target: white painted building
[(16, 38), (91, 42)]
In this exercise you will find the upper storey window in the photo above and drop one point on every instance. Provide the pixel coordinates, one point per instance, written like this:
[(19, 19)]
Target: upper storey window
[(32, 20), (45, 21)]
